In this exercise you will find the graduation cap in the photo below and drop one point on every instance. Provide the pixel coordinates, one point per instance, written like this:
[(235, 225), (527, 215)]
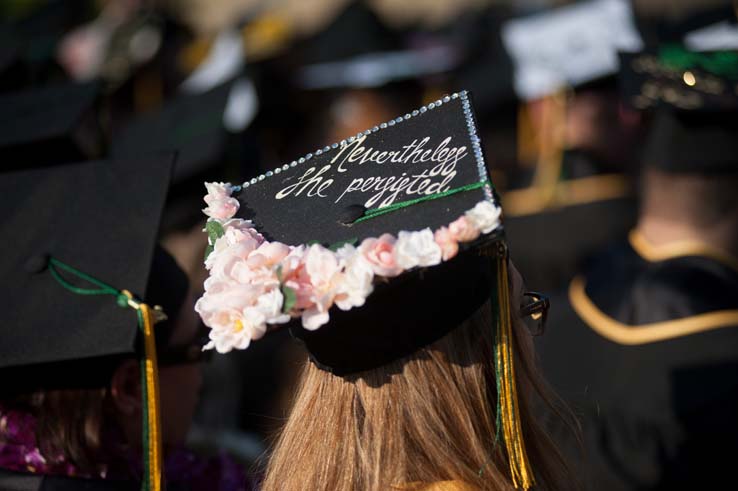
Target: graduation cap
[(194, 126), (358, 51), (368, 249), (693, 97), (50, 125), (569, 46), (79, 262)]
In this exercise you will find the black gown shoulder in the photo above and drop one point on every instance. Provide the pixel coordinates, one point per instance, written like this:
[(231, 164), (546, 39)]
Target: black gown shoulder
[(645, 348)]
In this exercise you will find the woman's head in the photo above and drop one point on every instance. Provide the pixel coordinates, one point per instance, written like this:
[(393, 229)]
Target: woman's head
[(431, 416)]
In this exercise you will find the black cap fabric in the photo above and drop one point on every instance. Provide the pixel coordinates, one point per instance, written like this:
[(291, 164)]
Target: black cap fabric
[(288, 205), (49, 126), (419, 172), (99, 217)]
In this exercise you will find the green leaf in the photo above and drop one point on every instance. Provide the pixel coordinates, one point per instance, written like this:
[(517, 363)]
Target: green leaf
[(338, 245), (279, 273), (215, 230), (312, 242), (208, 250), (290, 298)]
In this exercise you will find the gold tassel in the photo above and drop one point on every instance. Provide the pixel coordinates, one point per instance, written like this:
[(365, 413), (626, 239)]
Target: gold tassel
[(153, 415), (153, 461), (520, 469)]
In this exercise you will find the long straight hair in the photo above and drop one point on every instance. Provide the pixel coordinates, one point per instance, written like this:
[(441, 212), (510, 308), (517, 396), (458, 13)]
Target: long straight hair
[(428, 417)]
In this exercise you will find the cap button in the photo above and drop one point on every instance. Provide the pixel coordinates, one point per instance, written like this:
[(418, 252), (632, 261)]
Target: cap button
[(36, 264), (350, 214)]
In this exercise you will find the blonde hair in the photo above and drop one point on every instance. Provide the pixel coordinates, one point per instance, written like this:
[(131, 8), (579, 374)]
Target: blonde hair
[(428, 417)]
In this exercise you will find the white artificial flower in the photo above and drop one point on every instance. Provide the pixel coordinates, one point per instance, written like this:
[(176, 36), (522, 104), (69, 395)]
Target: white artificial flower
[(485, 216), (270, 304), (417, 249), (357, 281), (314, 317)]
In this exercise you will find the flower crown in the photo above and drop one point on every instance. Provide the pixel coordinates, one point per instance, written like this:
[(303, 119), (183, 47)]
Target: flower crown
[(254, 283)]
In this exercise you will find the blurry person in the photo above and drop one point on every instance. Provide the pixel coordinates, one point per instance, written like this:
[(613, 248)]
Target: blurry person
[(648, 348), (576, 145), (421, 373), (79, 354)]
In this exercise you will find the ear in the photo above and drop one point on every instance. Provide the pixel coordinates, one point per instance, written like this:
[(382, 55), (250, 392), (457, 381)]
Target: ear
[(125, 387)]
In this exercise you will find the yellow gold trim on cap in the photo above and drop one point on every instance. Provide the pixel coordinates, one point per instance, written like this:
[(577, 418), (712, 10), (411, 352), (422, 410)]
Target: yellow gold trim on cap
[(631, 335), (655, 253)]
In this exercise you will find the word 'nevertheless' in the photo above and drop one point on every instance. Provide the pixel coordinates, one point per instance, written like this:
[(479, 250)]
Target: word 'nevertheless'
[(424, 171)]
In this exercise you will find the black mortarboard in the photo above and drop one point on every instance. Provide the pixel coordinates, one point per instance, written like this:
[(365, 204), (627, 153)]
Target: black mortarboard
[(79, 264), (359, 310), (694, 100), (51, 125), (101, 218)]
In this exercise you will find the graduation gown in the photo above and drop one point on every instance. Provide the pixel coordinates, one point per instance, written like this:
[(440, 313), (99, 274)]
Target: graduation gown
[(644, 346)]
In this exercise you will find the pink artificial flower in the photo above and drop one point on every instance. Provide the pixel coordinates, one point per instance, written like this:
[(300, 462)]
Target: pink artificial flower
[(221, 205), (268, 254), (237, 229), (295, 276), (379, 253), (462, 230), (228, 309), (446, 241), (323, 269), (223, 260), (259, 268)]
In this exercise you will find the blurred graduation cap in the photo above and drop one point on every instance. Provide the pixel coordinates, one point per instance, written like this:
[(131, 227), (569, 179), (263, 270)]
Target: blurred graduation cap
[(486, 68), (192, 125), (693, 99), (79, 265), (51, 125), (569, 46), (358, 51), (198, 127), (406, 177)]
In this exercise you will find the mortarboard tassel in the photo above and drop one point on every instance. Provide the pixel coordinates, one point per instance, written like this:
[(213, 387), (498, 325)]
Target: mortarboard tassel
[(507, 405), (150, 395), (147, 317)]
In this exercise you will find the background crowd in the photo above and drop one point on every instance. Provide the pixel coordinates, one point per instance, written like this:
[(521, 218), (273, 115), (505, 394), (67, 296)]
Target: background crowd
[(238, 88)]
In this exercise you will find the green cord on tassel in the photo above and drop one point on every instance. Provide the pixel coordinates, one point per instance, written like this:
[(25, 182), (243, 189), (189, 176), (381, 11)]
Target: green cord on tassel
[(151, 480)]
